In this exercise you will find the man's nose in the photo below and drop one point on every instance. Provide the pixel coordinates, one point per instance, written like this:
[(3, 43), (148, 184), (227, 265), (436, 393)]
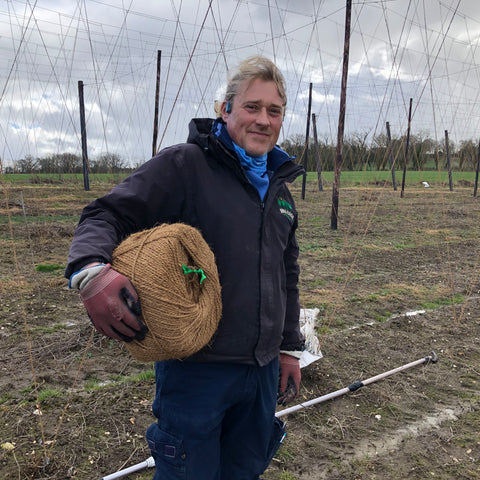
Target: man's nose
[(262, 117)]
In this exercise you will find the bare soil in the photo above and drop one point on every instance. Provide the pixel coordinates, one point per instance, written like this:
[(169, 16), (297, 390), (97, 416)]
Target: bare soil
[(397, 280)]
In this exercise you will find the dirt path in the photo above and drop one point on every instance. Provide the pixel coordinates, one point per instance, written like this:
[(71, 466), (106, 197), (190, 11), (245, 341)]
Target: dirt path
[(389, 258)]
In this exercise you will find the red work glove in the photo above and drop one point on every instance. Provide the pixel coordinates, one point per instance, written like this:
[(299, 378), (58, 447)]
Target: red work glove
[(113, 306), (290, 377)]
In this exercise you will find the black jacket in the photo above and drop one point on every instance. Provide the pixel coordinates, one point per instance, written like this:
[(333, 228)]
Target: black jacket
[(202, 183)]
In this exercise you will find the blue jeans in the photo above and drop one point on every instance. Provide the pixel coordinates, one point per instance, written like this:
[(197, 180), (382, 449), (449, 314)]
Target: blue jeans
[(215, 421)]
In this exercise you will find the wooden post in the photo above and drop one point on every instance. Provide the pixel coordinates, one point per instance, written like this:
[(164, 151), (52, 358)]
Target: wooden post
[(86, 183), (157, 90), (392, 161), (406, 149), (305, 150), (317, 153), (476, 172), (341, 120), (449, 164)]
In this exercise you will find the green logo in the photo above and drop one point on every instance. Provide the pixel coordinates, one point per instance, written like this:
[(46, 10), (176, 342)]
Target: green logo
[(284, 204), (286, 209)]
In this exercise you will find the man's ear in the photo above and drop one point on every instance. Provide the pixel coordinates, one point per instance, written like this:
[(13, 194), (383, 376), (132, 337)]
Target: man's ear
[(226, 108)]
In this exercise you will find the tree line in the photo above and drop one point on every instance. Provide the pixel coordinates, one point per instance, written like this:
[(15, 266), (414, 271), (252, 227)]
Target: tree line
[(424, 153), (70, 163), (358, 154)]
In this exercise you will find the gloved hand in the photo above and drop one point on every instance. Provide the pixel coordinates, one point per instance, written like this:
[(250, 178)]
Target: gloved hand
[(113, 306), (290, 377)]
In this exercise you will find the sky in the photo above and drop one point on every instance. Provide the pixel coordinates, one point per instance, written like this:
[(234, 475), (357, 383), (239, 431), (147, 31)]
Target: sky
[(426, 50)]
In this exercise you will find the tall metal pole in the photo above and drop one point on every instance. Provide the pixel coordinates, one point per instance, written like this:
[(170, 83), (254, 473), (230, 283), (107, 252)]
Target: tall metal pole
[(341, 120), (406, 148), (317, 153), (449, 163), (390, 151), (157, 90), (305, 150), (476, 172), (86, 183)]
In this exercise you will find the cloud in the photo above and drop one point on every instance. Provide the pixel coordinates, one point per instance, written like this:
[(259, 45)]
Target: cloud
[(398, 51)]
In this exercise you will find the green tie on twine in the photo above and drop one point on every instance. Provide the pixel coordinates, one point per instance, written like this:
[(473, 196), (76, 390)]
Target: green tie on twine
[(187, 270)]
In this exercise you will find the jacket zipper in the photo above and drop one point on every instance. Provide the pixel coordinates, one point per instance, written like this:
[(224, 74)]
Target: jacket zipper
[(259, 312)]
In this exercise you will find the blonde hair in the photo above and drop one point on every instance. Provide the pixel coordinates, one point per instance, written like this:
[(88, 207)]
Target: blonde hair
[(254, 68)]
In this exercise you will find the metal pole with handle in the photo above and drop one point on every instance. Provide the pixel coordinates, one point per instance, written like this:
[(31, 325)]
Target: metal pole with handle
[(356, 385), (432, 358), (148, 463)]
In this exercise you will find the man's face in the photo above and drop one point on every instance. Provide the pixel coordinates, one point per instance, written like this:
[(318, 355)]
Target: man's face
[(256, 117)]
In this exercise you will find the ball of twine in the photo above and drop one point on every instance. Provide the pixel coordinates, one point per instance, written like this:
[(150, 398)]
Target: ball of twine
[(176, 278)]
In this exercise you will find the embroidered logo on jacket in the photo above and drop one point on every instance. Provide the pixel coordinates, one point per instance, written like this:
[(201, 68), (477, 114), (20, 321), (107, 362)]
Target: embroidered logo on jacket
[(286, 209)]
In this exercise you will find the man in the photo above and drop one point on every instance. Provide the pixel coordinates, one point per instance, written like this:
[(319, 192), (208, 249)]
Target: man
[(215, 409)]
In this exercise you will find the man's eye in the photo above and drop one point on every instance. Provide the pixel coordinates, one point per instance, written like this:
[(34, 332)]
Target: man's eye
[(252, 108), (275, 112)]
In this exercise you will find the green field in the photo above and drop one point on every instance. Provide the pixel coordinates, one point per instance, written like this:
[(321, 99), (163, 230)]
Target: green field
[(347, 178)]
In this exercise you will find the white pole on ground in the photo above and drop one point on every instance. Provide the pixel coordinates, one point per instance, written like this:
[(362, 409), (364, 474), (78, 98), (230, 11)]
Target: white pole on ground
[(148, 463), (356, 385)]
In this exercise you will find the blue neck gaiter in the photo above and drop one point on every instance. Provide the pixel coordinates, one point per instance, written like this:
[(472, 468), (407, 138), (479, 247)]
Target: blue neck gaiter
[(255, 168)]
